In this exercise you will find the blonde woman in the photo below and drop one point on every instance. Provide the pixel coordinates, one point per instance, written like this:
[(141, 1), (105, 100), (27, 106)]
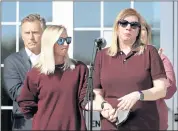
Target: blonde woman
[(170, 81), (131, 76), (56, 86)]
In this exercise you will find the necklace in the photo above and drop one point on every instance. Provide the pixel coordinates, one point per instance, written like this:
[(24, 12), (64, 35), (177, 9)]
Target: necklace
[(61, 66)]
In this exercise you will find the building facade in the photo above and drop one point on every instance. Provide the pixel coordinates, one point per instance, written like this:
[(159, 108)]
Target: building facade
[(86, 21)]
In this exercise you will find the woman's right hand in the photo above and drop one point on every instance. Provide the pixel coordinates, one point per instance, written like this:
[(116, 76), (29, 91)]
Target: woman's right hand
[(109, 113)]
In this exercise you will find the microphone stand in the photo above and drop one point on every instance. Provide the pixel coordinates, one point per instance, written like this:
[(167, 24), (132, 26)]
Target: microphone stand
[(90, 93)]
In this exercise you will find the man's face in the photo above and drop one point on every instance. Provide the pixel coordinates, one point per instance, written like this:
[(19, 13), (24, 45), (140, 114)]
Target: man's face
[(31, 35)]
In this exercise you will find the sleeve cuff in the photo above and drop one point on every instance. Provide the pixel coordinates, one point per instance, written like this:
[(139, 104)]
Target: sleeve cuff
[(159, 76)]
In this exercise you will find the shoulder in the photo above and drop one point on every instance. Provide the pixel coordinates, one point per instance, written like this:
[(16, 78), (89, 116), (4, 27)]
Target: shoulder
[(34, 74), (166, 60), (16, 56), (34, 71), (163, 57), (12, 59), (151, 48), (102, 54), (103, 51), (81, 65), (151, 51)]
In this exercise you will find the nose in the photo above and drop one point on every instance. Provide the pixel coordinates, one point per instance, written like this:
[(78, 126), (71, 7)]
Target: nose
[(31, 36), (65, 44), (128, 27)]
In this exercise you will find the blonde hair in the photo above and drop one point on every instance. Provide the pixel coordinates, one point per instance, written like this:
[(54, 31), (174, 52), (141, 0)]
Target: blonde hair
[(34, 17), (148, 30), (46, 62), (114, 48)]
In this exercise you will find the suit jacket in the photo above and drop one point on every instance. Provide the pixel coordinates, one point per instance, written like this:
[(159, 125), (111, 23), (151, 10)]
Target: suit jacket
[(15, 68)]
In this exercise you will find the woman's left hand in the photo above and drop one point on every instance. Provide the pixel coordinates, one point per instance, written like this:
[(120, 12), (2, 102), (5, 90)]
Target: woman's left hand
[(160, 51), (127, 101)]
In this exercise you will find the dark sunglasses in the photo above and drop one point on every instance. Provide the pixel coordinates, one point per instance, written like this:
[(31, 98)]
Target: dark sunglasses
[(133, 25), (61, 40)]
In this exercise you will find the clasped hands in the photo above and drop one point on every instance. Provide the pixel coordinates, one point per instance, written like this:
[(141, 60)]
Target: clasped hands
[(125, 103)]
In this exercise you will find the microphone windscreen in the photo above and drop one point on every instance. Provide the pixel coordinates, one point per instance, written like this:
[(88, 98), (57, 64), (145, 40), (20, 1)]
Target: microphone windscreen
[(100, 42)]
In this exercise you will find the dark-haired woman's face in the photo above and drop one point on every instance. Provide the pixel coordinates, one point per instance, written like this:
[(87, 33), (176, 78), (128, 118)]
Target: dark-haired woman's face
[(62, 45)]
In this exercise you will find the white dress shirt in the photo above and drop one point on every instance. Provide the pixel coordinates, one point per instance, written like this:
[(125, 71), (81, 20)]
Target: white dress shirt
[(32, 56)]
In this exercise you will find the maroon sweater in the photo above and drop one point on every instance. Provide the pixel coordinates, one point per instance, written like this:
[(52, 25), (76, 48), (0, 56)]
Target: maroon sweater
[(54, 101)]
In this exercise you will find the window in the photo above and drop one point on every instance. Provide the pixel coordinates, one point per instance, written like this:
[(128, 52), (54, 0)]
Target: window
[(8, 41), (12, 14), (84, 44), (150, 11), (8, 11), (25, 8), (86, 14), (111, 10)]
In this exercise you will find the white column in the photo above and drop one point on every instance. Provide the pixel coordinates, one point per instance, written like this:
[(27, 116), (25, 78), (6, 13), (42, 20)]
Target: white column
[(63, 15), (132, 4), (166, 28), (166, 42)]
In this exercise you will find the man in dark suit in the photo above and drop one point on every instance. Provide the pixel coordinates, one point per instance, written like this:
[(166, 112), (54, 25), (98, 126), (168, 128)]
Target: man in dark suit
[(18, 64)]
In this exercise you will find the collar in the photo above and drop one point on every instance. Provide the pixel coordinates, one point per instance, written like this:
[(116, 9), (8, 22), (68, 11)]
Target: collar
[(29, 53), (135, 48)]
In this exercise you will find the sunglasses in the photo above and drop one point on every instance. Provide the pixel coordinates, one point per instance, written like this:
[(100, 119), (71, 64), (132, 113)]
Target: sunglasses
[(124, 23), (61, 40)]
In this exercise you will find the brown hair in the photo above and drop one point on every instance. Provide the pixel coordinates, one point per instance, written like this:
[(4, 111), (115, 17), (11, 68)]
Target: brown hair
[(34, 17)]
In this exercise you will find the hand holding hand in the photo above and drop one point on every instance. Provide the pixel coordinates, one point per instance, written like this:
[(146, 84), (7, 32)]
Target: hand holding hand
[(109, 113)]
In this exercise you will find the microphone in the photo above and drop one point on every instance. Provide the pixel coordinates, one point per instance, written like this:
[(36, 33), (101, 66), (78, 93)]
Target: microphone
[(100, 42)]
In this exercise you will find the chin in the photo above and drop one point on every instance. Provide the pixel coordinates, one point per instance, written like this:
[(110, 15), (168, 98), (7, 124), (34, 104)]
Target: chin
[(63, 55), (32, 46), (126, 39)]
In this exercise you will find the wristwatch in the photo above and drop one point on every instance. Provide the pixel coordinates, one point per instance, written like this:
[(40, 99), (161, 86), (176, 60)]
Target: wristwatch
[(102, 104), (141, 96)]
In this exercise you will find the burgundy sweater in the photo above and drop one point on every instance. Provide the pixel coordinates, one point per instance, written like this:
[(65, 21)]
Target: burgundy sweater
[(54, 101)]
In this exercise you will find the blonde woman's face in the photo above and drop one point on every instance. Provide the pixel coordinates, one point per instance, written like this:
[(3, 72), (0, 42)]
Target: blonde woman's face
[(62, 45), (144, 35), (128, 28)]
